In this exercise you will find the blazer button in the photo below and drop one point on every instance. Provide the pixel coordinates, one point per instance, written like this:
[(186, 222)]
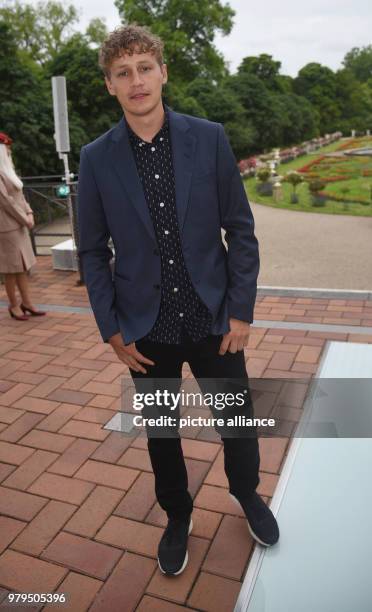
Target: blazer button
[(156, 286), (156, 252)]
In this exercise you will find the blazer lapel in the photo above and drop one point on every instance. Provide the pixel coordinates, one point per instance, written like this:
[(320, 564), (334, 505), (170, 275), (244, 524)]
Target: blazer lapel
[(183, 145), (125, 167)]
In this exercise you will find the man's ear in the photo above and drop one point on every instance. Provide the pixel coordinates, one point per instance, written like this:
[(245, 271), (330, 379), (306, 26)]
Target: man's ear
[(165, 73), (109, 86)]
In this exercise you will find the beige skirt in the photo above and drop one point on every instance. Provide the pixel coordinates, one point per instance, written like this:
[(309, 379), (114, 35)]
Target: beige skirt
[(16, 253)]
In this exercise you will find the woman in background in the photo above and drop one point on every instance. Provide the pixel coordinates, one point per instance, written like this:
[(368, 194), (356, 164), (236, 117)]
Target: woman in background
[(16, 253)]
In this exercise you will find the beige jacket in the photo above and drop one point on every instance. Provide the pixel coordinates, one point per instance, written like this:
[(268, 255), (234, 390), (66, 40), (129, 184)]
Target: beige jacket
[(13, 206)]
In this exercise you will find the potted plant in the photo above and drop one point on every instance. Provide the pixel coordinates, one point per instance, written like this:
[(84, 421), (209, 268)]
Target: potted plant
[(293, 178), (315, 187), (264, 186)]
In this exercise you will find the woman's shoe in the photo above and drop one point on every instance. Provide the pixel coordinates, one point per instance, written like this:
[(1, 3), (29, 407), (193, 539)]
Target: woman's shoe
[(34, 313), (23, 317)]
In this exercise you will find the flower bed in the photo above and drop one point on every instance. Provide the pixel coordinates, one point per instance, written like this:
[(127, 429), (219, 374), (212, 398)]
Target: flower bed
[(334, 179), (341, 198), (350, 144), (311, 164)]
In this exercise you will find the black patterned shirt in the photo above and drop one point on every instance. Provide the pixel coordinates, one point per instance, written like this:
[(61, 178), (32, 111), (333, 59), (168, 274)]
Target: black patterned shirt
[(181, 308)]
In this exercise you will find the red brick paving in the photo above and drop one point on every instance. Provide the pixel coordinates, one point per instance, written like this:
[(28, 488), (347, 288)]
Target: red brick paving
[(77, 502), (26, 574), (81, 592), (229, 561), (81, 554)]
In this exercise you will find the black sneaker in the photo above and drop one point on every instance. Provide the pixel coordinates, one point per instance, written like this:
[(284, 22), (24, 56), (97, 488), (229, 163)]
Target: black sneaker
[(172, 551), (261, 521)]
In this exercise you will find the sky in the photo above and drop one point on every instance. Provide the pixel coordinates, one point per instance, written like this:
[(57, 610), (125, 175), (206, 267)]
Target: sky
[(294, 32)]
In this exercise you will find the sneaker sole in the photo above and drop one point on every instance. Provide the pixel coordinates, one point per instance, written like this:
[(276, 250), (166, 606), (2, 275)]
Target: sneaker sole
[(249, 527), (184, 561)]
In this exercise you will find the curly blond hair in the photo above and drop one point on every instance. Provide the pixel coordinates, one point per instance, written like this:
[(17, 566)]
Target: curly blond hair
[(129, 39)]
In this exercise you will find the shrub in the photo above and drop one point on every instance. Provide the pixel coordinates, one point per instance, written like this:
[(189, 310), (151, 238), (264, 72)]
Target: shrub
[(263, 175), (316, 186), (294, 179), (340, 198), (247, 164)]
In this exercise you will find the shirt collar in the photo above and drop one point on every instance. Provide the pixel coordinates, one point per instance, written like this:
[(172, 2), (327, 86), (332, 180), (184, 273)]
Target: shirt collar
[(163, 130)]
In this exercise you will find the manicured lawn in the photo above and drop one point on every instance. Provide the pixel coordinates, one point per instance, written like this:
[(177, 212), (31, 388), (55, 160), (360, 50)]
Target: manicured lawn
[(306, 159), (348, 171)]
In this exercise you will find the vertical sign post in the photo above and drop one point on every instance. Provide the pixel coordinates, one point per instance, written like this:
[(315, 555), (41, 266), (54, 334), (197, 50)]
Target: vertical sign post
[(62, 138)]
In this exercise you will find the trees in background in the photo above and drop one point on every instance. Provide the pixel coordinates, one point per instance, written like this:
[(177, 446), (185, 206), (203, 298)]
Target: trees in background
[(259, 107), (25, 107), (189, 29)]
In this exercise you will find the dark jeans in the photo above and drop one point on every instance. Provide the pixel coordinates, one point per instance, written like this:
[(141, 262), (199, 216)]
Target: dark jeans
[(241, 454)]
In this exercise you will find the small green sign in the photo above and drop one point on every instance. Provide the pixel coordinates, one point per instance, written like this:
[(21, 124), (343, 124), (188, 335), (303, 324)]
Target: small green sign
[(62, 191)]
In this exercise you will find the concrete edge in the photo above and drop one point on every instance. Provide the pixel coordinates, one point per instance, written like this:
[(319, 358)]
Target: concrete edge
[(335, 294), (257, 558)]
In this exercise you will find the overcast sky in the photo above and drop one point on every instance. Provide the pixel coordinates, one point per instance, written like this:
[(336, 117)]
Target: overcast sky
[(293, 32)]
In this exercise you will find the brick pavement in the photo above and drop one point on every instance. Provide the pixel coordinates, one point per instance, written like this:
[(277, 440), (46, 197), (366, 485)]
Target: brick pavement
[(77, 507)]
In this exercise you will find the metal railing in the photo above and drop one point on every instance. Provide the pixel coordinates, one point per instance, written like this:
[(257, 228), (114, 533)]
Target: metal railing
[(40, 193)]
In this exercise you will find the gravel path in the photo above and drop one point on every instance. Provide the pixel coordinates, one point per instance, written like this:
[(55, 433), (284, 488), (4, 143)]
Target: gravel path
[(313, 250)]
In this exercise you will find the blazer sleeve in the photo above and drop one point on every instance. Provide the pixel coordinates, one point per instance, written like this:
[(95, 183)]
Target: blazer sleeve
[(94, 251), (10, 206), (238, 222)]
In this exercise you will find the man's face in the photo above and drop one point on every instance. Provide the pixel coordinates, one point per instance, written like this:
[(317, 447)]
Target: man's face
[(136, 80)]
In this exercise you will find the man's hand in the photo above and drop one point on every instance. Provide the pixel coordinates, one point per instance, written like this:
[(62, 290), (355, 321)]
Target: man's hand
[(129, 354), (236, 338)]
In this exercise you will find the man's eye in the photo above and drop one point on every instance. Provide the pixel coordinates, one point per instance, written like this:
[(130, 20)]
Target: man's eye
[(145, 68), (124, 73)]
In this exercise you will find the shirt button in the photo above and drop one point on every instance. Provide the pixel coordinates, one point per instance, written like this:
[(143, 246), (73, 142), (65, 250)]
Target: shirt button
[(171, 261), (152, 148), (175, 288), (161, 204), (156, 176), (181, 314), (166, 232), (161, 139)]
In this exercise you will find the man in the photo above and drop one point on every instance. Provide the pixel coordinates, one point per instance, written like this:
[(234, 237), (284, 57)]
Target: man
[(162, 185)]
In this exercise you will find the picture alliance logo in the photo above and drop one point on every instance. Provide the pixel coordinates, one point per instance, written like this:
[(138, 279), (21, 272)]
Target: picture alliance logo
[(171, 400)]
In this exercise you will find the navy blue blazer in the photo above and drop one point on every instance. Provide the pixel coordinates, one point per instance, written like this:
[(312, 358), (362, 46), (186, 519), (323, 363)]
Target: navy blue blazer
[(209, 196)]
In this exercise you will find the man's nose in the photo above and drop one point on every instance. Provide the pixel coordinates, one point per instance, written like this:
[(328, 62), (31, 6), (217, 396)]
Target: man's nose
[(137, 78)]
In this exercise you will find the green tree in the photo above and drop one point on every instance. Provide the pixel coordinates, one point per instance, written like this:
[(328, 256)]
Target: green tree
[(188, 30), (25, 110), (91, 109), (317, 83), (356, 110), (359, 61), (298, 119), (96, 31), (260, 107), (221, 104), (267, 70), (40, 30)]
